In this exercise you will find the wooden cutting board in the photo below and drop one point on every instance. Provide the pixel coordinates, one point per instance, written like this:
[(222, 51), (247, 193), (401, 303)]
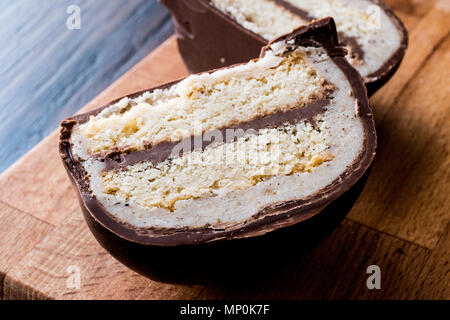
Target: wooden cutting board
[(400, 222)]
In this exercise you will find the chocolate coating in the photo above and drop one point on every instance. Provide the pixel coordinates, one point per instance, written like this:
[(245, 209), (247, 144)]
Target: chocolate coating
[(208, 38), (177, 255)]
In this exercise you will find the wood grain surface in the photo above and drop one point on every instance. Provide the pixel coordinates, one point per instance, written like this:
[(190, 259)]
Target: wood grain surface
[(400, 222)]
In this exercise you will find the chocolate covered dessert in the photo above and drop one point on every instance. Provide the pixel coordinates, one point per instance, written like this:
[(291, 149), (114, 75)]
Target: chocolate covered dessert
[(231, 153), (214, 33)]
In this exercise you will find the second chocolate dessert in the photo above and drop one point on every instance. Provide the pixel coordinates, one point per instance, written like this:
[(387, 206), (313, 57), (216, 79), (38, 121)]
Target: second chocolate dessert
[(215, 33)]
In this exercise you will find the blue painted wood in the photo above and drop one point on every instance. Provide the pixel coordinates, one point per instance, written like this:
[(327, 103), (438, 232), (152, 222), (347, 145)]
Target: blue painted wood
[(48, 72)]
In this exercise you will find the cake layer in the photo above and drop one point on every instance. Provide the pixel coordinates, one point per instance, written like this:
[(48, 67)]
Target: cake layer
[(204, 103), (167, 150), (221, 169)]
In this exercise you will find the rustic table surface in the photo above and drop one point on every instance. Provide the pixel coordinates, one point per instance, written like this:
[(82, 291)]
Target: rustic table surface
[(400, 222)]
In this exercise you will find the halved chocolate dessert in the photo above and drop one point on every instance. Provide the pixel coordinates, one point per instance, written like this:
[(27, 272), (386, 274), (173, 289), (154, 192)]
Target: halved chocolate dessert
[(215, 33), (232, 153)]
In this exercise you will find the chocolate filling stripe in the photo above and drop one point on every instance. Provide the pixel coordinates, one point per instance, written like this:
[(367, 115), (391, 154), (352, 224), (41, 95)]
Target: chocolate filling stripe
[(165, 150), (349, 41), (352, 42)]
